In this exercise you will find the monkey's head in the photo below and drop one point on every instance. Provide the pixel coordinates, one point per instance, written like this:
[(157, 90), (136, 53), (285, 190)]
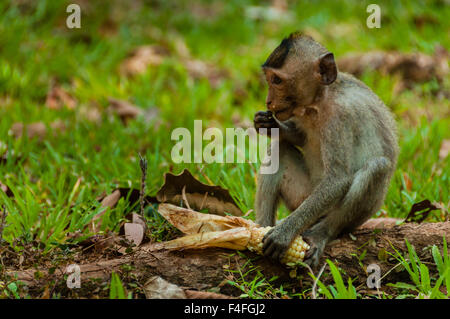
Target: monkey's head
[(295, 72)]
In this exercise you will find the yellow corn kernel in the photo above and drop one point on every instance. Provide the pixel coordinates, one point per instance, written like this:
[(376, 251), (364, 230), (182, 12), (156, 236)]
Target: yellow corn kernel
[(295, 253)]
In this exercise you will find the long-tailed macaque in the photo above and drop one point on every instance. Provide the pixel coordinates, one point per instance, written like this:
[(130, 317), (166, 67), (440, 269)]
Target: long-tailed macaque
[(337, 146)]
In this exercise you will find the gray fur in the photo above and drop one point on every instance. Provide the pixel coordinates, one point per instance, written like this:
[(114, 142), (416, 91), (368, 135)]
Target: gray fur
[(340, 176)]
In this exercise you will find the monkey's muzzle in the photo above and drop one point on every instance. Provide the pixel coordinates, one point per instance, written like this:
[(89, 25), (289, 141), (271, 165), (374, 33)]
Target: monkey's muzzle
[(282, 114)]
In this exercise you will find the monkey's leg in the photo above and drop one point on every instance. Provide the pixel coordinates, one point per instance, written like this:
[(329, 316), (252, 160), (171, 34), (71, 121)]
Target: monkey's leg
[(267, 198), (364, 198), (290, 183)]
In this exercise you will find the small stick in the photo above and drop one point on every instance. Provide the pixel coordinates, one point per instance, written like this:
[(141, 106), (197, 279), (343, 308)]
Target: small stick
[(203, 201), (2, 224), (314, 287), (183, 195), (143, 165), (248, 213)]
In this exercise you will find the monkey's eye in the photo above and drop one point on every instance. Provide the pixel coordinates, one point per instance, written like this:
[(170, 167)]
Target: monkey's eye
[(276, 79)]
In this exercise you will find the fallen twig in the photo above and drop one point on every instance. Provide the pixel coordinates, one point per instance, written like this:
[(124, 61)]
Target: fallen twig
[(143, 165)]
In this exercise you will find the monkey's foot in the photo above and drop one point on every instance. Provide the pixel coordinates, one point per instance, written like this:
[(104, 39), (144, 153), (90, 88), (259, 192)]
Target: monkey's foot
[(313, 254)]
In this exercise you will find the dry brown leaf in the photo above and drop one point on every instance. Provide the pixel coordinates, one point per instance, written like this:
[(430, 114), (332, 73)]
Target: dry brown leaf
[(143, 57), (131, 194), (280, 5), (3, 187), (57, 97), (413, 67), (58, 126), (218, 200), (153, 55), (109, 201), (108, 28), (138, 219), (6, 190), (134, 233), (277, 11), (37, 129), (445, 149), (205, 10), (423, 19), (124, 109), (198, 69), (158, 288), (420, 211), (90, 113), (152, 115)]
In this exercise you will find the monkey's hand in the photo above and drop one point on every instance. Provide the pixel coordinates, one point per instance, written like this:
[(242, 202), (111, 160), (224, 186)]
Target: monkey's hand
[(317, 242), (277, 241), (264, 119)]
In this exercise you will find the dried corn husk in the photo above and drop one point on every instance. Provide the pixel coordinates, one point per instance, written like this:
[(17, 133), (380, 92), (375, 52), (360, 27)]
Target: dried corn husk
[(207, 230)]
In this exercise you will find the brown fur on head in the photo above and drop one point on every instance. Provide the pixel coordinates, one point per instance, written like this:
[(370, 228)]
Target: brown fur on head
[(295, 72)]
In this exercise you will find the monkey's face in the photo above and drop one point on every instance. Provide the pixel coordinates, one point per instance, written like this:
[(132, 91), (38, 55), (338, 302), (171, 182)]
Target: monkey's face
[(295, 71), (278, 101), (290, 87)]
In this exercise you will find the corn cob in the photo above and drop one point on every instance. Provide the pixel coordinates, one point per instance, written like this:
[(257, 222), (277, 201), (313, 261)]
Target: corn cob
[(294, 254)]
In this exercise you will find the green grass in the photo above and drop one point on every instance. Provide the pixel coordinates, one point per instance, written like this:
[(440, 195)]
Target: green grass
[(116, 289), (423, 285), (252, 284), (36, 48), (339, 290)]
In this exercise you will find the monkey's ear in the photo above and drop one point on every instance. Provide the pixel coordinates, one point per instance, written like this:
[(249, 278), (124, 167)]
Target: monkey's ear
[(327, 68)]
